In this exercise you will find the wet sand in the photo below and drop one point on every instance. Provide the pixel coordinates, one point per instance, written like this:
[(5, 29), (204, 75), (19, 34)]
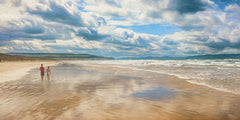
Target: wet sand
[(13, 70), (107, 92)]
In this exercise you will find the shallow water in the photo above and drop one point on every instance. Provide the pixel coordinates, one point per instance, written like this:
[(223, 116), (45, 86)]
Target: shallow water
[(220, 74), (156, 94), (75, 92)]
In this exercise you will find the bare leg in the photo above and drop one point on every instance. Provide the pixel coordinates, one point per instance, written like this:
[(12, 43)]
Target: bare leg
[(48, 76), (42, 76)]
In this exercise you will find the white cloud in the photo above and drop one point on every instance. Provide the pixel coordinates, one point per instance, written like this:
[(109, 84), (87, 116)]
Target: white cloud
[(6, 49), (69, 26), (78, 43), (119, 23), (25, 46)]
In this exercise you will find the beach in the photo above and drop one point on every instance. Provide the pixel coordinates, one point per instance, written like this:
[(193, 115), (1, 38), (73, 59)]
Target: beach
[(97, 90), (13, 70)]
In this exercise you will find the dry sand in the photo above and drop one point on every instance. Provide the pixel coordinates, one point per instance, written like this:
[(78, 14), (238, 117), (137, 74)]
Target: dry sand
[(10, 71)]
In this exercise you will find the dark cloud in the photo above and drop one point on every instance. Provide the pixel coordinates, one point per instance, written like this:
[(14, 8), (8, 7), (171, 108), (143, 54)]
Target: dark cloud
[(190, 6), (59, 14), (27, 33), (170, 42), (130, 43), (181, 6), (9, 34), (221, 45), (33, 30), (47, 37), (90, 34)]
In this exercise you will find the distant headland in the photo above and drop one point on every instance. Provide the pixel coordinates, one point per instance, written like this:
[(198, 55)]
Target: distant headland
[(49, 56)]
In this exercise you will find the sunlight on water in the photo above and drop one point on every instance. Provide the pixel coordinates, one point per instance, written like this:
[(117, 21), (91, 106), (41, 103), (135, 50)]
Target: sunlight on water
[(222, 74)]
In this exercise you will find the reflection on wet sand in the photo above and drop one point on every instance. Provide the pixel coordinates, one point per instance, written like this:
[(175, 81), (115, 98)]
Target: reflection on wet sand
[(77, 92), (157, 94)]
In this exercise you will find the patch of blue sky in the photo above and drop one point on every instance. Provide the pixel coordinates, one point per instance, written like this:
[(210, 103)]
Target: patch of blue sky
[(80, 6), (154, 29), (223, 3)]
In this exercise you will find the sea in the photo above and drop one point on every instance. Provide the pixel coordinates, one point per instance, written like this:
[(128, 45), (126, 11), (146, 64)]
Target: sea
[(219, 74)]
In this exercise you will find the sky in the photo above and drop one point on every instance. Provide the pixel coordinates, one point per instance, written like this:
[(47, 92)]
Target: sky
[(120, 28)]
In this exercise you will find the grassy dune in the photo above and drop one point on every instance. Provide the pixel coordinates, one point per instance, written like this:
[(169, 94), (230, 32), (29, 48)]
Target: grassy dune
[(6, 57)]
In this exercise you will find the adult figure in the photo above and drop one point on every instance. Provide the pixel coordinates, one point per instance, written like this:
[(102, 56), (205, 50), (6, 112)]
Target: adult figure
[(42, 71)]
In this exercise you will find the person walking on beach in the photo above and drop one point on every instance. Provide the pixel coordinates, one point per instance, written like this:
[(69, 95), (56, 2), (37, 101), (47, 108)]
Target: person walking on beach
[(48, 73), (42, 71)]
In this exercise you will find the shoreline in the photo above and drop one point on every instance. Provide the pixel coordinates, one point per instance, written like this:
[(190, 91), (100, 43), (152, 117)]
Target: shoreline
[(168, 74), (183, 78), (99, 91), (189, 97), (14, 70), (211, 87)]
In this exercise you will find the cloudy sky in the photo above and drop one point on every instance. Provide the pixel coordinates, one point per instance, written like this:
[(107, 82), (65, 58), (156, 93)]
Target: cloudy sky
[(120, 28)]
